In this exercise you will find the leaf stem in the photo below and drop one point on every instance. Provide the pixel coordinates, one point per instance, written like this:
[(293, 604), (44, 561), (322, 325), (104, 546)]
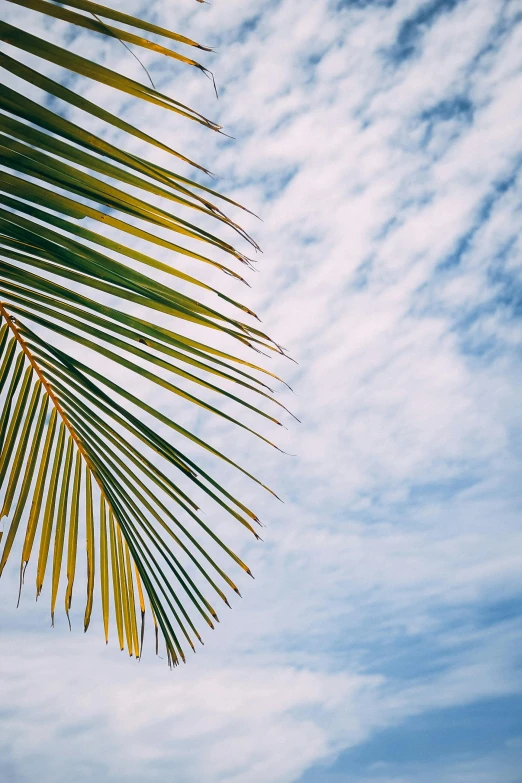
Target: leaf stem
[(48, 388)]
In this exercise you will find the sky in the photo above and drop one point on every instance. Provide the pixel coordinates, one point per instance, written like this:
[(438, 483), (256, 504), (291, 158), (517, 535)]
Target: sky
[(381, 143)]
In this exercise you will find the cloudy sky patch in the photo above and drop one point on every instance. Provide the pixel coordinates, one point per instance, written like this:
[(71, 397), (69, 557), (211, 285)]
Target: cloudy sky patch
[(381, 144)]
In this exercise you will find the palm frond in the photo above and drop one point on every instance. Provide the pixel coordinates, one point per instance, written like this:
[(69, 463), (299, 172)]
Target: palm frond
[(76, 461)]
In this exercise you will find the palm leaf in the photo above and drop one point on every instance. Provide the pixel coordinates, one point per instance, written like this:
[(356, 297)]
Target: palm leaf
[(76, 461)]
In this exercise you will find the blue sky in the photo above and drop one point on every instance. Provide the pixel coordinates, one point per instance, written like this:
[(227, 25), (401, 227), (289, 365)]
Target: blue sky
[(380, 642)]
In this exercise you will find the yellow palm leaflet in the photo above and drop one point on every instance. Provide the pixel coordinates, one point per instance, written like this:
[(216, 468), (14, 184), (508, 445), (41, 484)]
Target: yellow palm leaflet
[(104, 568), (59, 537), (142, 606), (132, 600), (38, 492), (49, 511), (89, 544), (123, 590), (72, 545), (116, 580)]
